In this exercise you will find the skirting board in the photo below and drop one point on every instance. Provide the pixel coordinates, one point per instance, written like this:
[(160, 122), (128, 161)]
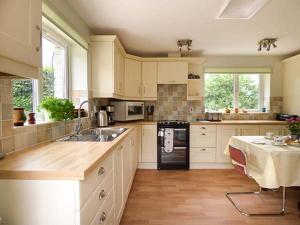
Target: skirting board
[(192, 166)]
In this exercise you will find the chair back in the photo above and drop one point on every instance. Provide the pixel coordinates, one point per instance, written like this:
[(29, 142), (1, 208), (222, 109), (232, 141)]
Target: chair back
[(238, 159)]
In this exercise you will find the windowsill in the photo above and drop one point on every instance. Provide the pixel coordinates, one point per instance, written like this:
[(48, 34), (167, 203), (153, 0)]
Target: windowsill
[(249, 112), (42, 122)]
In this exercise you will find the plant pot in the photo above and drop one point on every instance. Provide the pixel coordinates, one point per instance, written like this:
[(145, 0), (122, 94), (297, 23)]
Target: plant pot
[(19, 117), (47, 115), (31, 119)]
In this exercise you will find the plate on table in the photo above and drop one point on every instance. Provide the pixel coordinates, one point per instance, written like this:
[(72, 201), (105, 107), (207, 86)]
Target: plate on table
[(258, 142), (269, 138), (281, 144)]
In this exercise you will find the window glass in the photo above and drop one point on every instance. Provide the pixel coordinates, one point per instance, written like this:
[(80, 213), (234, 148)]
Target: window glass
[(23, 94), (219, 89), (54, 82), (249, 91)]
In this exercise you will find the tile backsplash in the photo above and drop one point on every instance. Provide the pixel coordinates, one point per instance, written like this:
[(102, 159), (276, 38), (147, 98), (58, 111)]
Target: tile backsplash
[(17, 138), (171, 104)]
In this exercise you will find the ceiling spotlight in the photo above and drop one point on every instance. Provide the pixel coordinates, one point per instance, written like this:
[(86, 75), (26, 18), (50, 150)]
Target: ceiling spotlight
[(186, 42), (267, 43)]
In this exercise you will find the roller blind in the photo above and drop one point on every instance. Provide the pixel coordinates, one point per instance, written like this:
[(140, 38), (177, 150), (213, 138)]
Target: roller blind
[(63, 25), (238, 70)]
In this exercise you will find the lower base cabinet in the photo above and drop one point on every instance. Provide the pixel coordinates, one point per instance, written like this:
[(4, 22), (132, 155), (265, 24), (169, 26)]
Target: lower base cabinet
[(99, 199)]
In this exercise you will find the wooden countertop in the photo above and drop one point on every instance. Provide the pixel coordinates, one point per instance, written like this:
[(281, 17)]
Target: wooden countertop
[(228, 122), (58, 160)]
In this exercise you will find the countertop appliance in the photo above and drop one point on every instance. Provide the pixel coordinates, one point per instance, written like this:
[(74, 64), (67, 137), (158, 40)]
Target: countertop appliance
[(213, 116), (102, 120), (128, 111), (110, 111), (173, 144)]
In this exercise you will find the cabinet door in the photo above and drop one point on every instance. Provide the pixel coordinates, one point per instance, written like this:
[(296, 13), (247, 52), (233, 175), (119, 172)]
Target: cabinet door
[(149, 143), (134, 142), (127, 168), (118, 182), (118, 72), (249, 130), (275, 129), (20, 31), (149, 79), (224, 133), (172, 72), (132, 78)]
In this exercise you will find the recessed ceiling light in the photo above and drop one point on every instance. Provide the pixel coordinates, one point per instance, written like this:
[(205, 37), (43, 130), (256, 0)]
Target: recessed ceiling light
[(241, 9)]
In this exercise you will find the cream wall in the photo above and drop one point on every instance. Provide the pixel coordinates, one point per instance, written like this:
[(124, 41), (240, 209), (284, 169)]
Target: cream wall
[(291, 85), (252, 61)]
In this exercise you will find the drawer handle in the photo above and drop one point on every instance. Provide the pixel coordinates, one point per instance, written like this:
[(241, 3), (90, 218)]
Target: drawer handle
[(102, 194), (203, 134), (203, 128), (102, 218), (203, 149), (101, 171)]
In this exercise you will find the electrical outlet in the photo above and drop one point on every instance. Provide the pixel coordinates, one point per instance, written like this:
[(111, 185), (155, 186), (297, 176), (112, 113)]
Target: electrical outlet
[(191, 109)]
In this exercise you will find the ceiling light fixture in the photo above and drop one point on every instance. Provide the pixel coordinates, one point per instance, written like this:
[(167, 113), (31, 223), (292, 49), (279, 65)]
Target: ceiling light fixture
[(185, 42), (267, 43)]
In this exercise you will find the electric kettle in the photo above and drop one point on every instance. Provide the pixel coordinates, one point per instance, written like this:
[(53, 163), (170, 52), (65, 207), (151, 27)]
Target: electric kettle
[(102, 120)]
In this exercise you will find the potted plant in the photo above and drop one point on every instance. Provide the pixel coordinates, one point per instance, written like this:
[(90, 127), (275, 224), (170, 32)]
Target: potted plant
[(294, 127), (56, 109)]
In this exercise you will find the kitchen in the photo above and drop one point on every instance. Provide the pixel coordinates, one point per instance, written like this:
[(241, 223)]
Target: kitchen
[(109, 119)]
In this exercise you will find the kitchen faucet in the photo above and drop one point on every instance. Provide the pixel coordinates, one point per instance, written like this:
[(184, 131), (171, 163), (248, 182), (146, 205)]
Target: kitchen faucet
[(79, 125)]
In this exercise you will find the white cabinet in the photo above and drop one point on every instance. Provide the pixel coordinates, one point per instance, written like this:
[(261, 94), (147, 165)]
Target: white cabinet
[(20, 34), (119, 63), (149, 80), (107, 67), (118, 182), (127, 168), (249, 130), (172, 72), (275, 129), (134, 143), (149, 144), (133, 78), (224, 133)]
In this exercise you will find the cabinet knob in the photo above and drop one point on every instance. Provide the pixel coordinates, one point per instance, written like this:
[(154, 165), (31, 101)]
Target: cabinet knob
[(37, 49), (101, 171), (37, 27), (102, 218), (102, 194)]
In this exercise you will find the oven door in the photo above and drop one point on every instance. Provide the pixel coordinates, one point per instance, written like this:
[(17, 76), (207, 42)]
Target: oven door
[(134, 110), (180, 137)]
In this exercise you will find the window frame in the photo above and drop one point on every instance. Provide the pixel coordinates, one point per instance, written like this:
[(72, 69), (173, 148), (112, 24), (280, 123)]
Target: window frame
[(236, 87)]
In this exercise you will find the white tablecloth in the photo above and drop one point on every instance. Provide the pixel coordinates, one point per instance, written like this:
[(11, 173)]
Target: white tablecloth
[(271, 166)]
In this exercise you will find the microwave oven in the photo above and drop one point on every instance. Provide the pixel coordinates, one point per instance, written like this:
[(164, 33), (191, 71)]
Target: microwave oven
[(127, 111)]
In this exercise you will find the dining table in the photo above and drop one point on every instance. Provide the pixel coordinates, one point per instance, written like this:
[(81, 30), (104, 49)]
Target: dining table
[(271, 166)]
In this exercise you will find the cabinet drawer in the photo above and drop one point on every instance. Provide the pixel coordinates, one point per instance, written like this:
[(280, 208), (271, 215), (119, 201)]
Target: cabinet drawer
[(203, 128), (203, 139), (198, 155), (96, 200), (103, 215), (95, 178)]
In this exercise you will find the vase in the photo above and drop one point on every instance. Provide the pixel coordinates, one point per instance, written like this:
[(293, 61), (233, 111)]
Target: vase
[(19, 117), (31, 119)]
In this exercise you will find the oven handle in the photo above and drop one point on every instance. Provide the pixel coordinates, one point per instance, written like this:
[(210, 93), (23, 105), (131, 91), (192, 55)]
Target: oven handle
[(180, 147), (180, 129)]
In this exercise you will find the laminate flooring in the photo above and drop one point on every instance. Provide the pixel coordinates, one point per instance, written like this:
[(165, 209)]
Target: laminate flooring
[(197, 197)]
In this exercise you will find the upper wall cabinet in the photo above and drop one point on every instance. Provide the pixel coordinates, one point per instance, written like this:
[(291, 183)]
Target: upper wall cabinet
[(133, 70), (107, 66), (20, 37), (149, 80), (172, 72)]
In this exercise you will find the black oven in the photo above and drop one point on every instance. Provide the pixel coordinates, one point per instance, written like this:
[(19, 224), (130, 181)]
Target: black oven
[(173, 145)]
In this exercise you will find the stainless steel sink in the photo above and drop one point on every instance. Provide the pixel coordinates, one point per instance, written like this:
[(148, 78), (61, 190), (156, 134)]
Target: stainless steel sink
[(96, 135)]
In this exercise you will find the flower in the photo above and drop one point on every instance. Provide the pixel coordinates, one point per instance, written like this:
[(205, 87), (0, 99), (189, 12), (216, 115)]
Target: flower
[(294, 125)]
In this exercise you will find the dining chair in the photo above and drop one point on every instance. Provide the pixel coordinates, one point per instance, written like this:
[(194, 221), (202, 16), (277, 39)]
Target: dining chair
[(239, 161)]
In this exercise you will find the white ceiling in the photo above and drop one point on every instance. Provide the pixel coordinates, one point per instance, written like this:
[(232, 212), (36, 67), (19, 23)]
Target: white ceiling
[(152, 27)]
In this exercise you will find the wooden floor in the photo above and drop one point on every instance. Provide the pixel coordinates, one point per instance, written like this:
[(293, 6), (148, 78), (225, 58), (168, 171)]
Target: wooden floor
[(196, 197)]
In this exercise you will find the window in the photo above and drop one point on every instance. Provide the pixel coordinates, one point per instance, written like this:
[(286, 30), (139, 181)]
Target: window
[(54, 78), (244, 91), (23, 94)]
